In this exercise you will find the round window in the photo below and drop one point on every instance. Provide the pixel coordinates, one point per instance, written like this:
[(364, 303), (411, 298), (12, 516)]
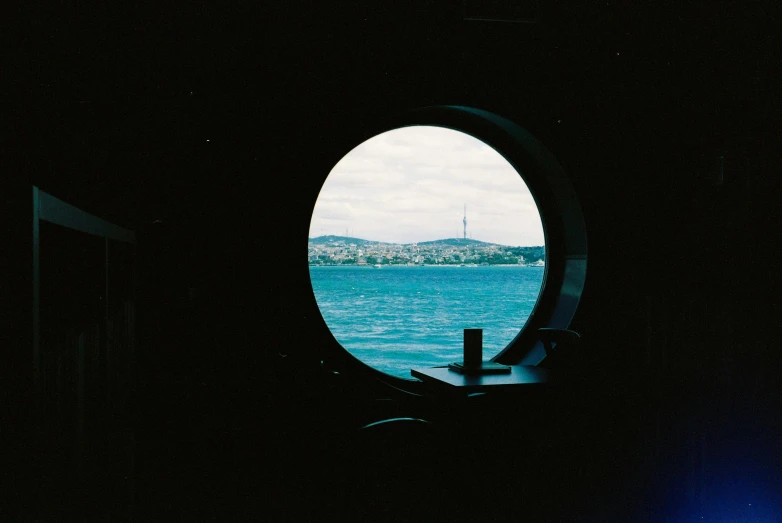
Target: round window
[(418, 233)]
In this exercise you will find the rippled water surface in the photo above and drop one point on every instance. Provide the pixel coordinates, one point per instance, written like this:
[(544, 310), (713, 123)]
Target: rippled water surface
[(399, 317)]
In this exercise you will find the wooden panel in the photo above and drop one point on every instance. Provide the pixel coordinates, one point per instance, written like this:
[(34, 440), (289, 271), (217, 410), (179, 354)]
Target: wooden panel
[(57, 211)]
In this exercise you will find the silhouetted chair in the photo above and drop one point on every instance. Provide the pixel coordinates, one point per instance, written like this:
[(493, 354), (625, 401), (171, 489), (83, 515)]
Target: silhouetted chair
[(562, 348), (395, 469), (394, 423)]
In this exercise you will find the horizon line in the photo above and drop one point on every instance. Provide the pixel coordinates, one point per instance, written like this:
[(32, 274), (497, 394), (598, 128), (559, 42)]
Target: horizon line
[(423, 241)]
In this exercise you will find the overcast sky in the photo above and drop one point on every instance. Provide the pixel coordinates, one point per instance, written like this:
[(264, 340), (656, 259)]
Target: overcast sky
[(410, 185)]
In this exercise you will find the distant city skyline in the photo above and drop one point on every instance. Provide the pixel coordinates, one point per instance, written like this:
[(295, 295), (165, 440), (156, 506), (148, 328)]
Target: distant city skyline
[(435, 240), (411, 184)]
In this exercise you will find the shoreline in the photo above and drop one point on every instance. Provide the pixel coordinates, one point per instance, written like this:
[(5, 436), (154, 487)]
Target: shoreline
[(367, 266)]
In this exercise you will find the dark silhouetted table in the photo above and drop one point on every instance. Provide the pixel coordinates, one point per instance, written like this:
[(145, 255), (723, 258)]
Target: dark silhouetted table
[(521, 377)]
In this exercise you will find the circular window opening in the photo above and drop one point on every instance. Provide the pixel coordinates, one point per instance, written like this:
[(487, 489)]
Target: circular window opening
[(417, 234)]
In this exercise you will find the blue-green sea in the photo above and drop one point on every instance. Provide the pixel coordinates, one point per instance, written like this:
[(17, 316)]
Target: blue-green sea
[(398, 317)]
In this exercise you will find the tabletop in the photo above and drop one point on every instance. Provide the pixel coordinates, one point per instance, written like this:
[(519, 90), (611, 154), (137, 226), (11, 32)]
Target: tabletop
[(520, 376)]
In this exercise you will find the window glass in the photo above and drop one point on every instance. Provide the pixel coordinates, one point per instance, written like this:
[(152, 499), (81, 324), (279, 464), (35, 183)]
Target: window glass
[(417, 234)]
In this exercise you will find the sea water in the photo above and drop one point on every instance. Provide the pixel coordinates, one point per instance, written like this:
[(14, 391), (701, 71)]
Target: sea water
[(398, 317)]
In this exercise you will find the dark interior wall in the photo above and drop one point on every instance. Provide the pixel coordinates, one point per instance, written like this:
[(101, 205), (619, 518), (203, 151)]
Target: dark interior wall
[(115, 109)]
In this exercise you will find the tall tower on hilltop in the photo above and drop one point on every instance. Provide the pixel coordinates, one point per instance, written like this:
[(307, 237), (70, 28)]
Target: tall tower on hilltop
[(465, 221)]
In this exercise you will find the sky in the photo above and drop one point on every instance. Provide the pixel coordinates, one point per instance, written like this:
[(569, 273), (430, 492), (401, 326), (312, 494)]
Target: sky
[(411, 184)]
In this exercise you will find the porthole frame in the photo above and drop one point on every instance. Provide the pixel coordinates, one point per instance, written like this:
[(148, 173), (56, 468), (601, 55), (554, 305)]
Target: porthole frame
[(561, 216)]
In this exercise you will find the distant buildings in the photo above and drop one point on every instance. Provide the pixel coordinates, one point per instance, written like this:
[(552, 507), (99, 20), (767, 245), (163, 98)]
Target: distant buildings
[(344, 252)]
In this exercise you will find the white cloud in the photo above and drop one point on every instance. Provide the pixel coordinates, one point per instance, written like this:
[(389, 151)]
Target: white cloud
[(410, 185)]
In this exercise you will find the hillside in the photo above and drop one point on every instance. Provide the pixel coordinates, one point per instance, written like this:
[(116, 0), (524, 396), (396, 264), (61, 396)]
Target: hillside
[(451, 242), (445, 242), (323, 240)]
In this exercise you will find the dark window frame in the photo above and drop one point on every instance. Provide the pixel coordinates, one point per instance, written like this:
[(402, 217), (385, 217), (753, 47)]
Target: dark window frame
[(561, 215)]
